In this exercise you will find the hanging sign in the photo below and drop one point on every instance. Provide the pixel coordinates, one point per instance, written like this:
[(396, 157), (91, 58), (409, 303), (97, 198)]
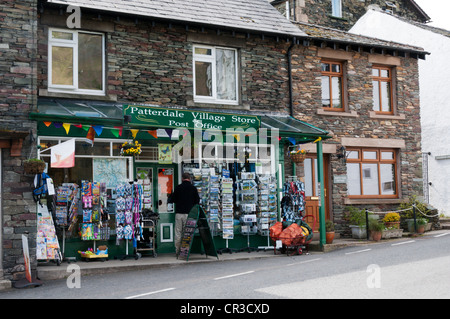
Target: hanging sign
[(178, 118)]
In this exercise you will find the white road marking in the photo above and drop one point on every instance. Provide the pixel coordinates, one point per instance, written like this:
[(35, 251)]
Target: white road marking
[(303, 262), (150, 293), (440, 235), (357, 252), (404, 242), (235, 275)]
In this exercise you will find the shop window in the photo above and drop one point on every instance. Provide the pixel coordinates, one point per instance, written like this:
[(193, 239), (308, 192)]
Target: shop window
[(93, 163), (372, 173), (76, 62), (382, 90), (215, 75), (332, 86)]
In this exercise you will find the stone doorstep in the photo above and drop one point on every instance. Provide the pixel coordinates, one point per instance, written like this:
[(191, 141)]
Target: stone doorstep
[(5, 284)]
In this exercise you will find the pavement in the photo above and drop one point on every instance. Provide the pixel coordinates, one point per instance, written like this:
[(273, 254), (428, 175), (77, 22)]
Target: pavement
[(51, 271)]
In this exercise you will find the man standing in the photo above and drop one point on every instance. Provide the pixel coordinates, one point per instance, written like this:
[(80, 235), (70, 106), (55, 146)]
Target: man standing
[(184, 196)]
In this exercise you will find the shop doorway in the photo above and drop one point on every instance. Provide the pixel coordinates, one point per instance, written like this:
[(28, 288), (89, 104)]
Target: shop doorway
[(312, 188), (158, 183)]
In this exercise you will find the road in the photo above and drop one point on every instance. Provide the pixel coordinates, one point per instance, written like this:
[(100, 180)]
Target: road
[(407, 268)]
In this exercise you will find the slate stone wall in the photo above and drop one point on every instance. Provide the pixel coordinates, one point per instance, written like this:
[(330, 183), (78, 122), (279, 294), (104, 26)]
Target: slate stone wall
[(17, 99)]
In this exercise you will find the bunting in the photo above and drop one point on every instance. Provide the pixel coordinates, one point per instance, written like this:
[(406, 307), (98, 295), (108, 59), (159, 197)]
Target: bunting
[(134, 132), (153, 133), (66, 127)]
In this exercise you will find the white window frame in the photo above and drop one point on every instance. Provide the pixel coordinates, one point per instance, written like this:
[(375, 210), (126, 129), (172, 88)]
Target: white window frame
[(336, 8), (74, 45), (212, 59)]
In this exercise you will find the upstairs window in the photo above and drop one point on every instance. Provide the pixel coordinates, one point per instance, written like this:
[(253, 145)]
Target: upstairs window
[(382, 90), (215, 75), (336, 8), (76, 62), (332, 86)]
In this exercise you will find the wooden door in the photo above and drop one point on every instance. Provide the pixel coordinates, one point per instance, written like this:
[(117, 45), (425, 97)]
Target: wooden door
[(312, 190)]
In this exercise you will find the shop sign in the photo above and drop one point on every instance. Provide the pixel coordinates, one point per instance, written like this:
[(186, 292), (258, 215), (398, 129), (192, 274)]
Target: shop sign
[(178, 118)]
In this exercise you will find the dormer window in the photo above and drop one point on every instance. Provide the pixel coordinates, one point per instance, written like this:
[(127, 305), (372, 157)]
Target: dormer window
[(336, 8)]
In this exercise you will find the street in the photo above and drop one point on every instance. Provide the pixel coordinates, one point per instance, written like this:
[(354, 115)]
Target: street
[(416, 267)]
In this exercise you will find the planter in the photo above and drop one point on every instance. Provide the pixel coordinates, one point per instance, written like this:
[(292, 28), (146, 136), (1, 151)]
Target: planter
[(297, 157), (329, 236), (376, 235), (34, 167), (358, 232), (423, 228), (391, 233), (395, 225)]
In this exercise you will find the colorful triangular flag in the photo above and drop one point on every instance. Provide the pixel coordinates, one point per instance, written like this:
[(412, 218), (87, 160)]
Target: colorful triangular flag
[(66, 127), (120, 128), (134, 133), (98, 129), (153, 133), (292, 140), (47, 123)]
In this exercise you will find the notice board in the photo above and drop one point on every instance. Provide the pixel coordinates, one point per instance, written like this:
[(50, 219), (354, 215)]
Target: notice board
[(196, 220)]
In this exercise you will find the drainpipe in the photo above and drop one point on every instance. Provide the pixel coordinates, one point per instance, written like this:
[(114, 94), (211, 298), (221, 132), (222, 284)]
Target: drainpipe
[(291, 103)]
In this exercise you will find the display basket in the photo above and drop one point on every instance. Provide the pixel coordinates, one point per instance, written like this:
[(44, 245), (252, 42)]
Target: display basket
[(297, 157)]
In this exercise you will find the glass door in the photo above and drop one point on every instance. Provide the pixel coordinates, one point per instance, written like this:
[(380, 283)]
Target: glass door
[(158, 183)]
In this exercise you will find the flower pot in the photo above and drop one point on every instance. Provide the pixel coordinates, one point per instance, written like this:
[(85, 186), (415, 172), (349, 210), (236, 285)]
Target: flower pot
[(358, 232), (376, 235), (329, 237), (420, 229), (297, 157), (34, 167)]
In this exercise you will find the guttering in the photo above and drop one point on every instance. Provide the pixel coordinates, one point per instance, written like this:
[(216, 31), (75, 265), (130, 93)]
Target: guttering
[(289, 57)]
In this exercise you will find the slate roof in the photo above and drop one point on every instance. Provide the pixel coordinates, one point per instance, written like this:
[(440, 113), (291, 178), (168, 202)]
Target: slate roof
[(250, 15), (338, 36)]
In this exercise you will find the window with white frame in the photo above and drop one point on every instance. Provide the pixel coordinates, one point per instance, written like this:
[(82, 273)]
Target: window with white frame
[(336, 8), (76, 62), (215, 75)]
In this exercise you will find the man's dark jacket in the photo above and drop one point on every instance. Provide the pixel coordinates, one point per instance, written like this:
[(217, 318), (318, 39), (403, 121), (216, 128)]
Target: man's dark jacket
[(185, 196)]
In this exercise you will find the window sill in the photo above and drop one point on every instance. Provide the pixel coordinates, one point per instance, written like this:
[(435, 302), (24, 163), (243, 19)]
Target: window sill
[(331, 113), (367, 201), (374, 115), (46, 93)]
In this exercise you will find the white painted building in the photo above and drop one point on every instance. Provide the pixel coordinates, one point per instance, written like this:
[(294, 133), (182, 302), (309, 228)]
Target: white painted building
[(434, 82)]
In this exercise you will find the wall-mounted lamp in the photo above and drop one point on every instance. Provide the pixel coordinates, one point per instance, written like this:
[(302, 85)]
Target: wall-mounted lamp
[(341, 154)]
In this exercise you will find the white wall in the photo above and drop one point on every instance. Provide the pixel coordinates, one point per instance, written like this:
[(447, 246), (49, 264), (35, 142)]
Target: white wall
[(434, 82)]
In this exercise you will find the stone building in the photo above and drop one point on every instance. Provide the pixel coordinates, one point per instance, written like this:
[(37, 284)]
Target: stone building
[(343, 14), (282, 71)]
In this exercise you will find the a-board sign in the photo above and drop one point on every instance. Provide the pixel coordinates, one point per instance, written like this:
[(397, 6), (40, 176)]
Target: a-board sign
[(196, 220)]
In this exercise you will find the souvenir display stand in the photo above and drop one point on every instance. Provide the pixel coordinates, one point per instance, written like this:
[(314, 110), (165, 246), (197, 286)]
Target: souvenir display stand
[(66, 211), (196, 223), (47, 245), (267, 207), (94, 225), (147, 243), (129, 201)]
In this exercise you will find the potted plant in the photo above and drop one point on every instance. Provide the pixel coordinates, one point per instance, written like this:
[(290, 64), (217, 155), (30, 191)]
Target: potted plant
[(130, 149), (421, 223), (34, 166), (392, 220), (376, 229), (329, 231), (297, 156), (357, 222)]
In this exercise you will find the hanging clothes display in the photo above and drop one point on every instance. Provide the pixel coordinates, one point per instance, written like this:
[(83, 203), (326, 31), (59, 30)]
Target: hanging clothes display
[(293, 201)]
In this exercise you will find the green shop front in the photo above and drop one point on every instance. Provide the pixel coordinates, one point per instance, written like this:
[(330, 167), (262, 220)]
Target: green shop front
[(236, 160)]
